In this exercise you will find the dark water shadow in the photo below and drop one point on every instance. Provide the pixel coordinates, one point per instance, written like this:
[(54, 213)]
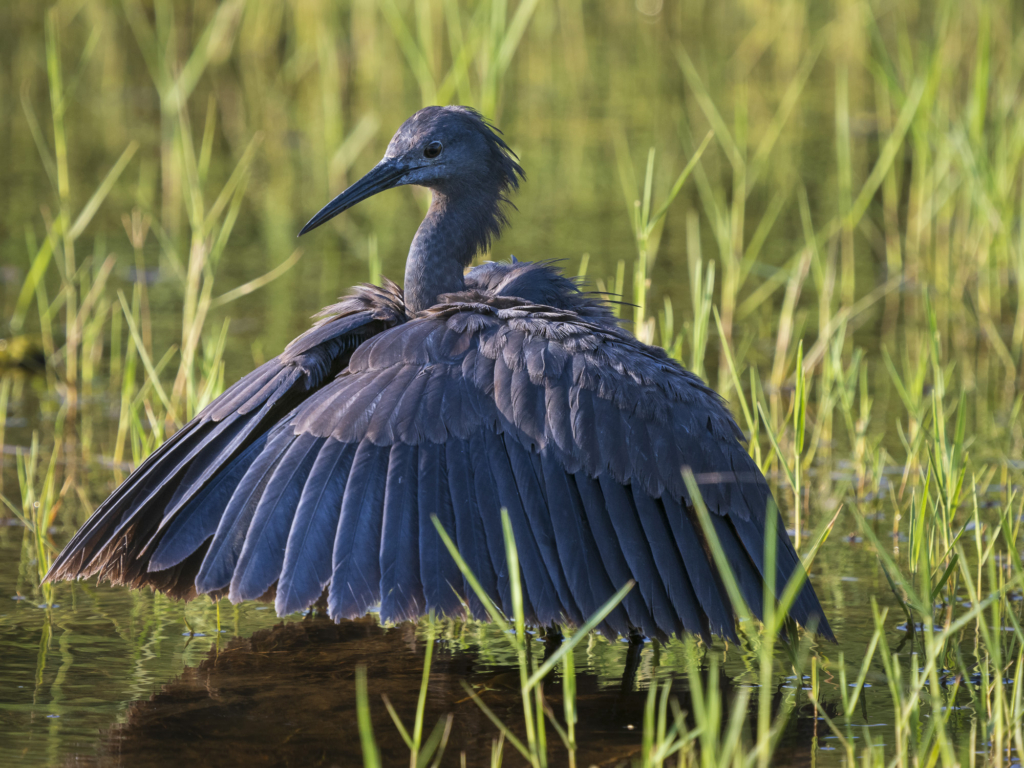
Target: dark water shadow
[(286, 696)]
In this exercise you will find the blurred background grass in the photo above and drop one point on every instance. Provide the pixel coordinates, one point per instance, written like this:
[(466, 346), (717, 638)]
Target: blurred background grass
[(803, 97), (845, 263)]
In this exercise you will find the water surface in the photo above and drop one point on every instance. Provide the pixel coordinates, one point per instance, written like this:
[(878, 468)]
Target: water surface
[(108, 676)]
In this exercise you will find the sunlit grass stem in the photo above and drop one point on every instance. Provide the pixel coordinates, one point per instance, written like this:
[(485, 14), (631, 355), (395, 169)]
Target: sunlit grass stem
[(925, 136)]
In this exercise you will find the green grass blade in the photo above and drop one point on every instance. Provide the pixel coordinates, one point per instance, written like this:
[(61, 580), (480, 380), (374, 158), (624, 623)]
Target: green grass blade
[(371, 755)]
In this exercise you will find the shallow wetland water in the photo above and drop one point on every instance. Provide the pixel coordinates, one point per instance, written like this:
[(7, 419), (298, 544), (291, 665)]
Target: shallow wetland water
[(845, 264), (124, 683)]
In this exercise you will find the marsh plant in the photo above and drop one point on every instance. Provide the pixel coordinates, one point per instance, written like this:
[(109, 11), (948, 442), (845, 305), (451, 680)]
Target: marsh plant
[(819, 209)]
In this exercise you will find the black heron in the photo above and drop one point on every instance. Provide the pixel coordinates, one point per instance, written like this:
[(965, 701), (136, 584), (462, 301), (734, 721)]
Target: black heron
[(504, 386)]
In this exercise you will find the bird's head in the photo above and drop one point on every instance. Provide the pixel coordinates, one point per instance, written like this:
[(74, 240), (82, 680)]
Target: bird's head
[(451, 150)]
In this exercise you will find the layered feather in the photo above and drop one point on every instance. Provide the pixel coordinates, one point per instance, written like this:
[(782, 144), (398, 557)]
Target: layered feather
[(326, 469)]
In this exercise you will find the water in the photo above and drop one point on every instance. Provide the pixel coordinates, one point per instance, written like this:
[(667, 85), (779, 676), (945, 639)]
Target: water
[(110, 676), (114, 677)]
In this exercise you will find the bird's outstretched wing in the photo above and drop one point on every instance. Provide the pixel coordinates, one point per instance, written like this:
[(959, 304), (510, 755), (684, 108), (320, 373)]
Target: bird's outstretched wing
[(569, 423), (573, 426), (178, 485)]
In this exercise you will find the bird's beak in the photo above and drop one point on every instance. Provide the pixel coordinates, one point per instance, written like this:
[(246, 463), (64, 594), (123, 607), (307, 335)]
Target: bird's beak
[(385, 175)]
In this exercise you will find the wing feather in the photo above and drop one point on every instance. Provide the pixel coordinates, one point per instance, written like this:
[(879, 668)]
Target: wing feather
[(544, 605), (577, 550), (307, 559), (470, 531), (442, 581), (611, 550), (624, 519), (536, 508), (120, 538), (326, 467), (262, 557), (747, 577), (222, 556), (197, 521), (350, 420), (669, 564), (489, 506), (355, 578), (121, 508), (401, 592), (381, 426), (707, 585)]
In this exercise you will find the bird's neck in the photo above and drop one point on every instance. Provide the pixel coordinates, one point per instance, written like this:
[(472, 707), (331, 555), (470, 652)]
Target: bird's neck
[(457, 225)]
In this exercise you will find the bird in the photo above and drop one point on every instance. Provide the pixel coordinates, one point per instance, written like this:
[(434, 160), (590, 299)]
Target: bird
[(466, 392)]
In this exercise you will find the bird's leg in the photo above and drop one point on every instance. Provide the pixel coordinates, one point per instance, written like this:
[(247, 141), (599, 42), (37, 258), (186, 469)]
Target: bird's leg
[(633, 653), (552, 640), (319, 608)]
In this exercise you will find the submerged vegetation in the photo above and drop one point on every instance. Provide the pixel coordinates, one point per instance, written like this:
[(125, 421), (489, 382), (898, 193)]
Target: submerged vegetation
[(817, 207)]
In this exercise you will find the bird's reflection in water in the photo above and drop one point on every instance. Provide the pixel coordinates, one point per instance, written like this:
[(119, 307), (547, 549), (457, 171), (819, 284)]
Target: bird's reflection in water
[(286, 696)]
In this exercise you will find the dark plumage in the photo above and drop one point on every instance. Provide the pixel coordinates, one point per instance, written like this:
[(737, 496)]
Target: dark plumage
[(502, 387)]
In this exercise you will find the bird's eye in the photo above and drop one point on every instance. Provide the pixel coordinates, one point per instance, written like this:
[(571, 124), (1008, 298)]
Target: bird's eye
[(433, 149)]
